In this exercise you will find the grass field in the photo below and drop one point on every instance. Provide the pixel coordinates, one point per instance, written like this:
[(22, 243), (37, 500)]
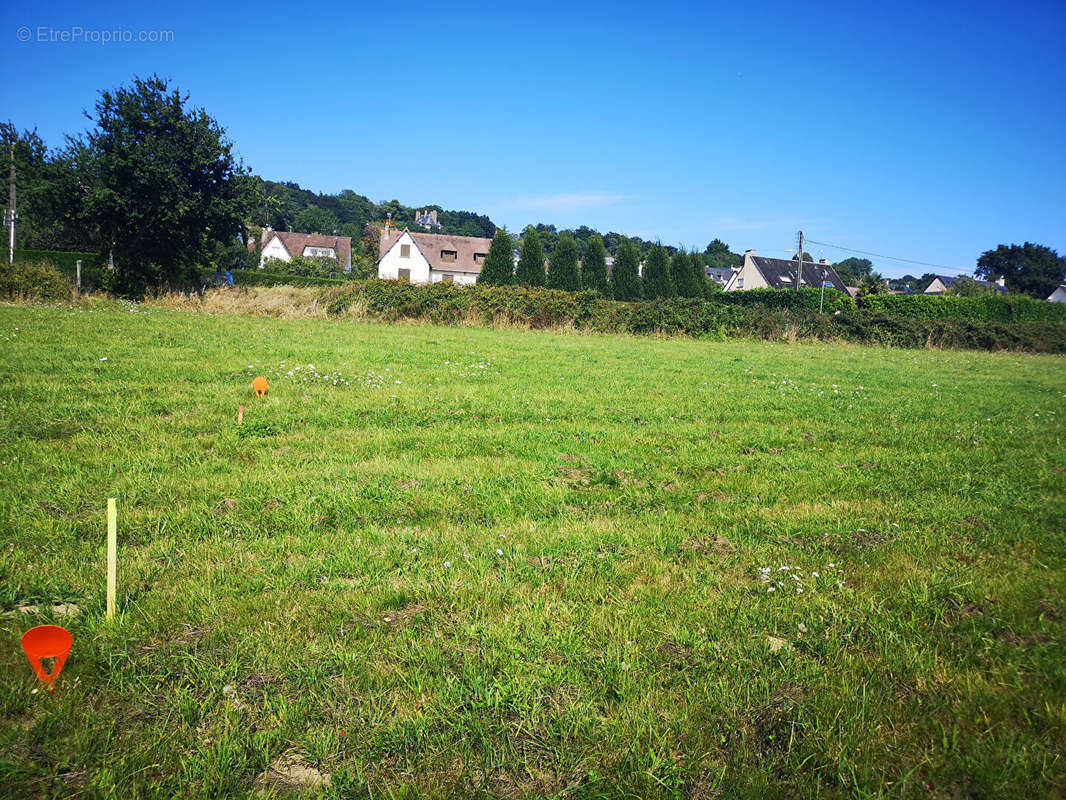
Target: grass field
[(471, 562)]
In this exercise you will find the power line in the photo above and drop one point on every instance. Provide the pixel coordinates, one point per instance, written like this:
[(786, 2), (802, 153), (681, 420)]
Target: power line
[(880, 255)]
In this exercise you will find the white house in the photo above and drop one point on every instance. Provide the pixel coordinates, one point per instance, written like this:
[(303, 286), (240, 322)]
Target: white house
[(431, 257), (283, 246), (941, 283), (1059, 295), (760, 272)]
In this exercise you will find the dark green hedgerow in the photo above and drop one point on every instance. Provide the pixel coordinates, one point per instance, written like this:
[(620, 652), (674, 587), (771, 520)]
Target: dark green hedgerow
[(981, 308), (546, 308)]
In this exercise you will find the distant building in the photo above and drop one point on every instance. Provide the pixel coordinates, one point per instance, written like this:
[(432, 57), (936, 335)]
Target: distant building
[(720, 275), (427, 218), (431, 257), (283, 246), (1059, 295), (942, 283), (759, 272)]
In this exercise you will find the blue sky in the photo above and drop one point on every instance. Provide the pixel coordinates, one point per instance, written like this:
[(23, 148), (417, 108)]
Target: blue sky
[(929, 131)]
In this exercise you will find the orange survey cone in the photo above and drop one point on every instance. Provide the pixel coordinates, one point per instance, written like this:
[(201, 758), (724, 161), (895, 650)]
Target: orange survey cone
[(259, 386), (47, 641)]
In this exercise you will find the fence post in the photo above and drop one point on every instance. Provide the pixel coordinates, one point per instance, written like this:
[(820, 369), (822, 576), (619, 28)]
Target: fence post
[(77, 267)]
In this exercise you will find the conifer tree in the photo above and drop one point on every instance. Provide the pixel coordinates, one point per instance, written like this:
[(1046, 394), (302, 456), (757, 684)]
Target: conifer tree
[(594, 266), (498, 269), (531, 261), (562, 268), (625, 279), (657, 281), (682, 276), (704, 284)]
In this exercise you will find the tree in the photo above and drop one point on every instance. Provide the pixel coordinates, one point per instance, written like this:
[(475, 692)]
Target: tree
[(498, 269), (316, 220), (806, 257), (657, 281), (531, 261), (719, 255), (852, 270), (871, 284), (682, 277), (167, 188), (704, 286), (625, 279), (562, 269), (594, 267), (1032, 269)]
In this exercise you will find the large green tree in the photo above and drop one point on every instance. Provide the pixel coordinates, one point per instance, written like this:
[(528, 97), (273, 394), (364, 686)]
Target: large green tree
[(594, 266), (657, 281), (1032, 269), (682, 276), (562, 269), (167, 190), (853, 270), (625, 278), (530, 270), (498, 269)]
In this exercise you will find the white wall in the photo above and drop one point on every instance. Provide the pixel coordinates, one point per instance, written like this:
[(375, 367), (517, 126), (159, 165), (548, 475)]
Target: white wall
[(464, 278), (1058, 296), (749, 274), (274, 249), (391, 263)]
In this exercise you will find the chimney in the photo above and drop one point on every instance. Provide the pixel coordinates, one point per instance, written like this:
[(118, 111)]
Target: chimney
[(265, 234), (749, 253), (824, 262), (1001, 282), (388, 221)]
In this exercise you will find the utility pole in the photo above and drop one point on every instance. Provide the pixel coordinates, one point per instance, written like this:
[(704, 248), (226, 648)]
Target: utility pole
[(11, 216), (799, 265)]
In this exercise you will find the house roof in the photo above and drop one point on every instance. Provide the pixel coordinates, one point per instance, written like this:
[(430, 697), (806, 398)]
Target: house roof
[(720, 275), (296, 242), (949, 280), (780, 273), (431, 245)]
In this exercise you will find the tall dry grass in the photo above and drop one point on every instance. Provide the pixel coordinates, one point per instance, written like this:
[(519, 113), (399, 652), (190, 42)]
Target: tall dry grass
[(280, 302)]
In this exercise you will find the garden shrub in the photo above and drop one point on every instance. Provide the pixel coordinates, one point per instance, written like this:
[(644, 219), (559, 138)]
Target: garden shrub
[(36, 279), (979, 308)]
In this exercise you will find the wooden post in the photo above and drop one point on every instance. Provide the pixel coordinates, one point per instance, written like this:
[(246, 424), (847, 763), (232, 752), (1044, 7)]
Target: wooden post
[(77, 267), (240, 415), (112, 555)]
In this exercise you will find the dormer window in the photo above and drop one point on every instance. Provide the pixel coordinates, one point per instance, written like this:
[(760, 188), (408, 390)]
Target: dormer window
[(479, 257), (449, 255)]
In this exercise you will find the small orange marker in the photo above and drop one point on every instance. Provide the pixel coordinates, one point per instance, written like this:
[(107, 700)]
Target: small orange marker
[(47, 641), (240, 415), (259, 386)]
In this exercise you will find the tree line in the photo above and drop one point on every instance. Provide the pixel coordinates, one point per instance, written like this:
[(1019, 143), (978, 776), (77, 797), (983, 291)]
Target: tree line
[(155, 188), (665, 274)]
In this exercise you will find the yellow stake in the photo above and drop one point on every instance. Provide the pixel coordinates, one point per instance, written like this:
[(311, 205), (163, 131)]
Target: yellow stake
[(112, 555)]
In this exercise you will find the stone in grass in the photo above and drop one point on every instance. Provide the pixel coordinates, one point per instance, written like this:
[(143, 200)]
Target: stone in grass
[(290, 773), (777, 644), (60, 610)]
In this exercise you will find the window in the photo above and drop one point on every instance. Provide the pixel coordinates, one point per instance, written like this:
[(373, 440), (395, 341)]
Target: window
[(405, 251), (404, 274), (446, 278), (448, 255), (740, 283), (479, 257)]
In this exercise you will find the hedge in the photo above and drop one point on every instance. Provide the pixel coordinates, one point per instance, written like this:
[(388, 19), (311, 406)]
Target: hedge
[(34, 278), (547, 308), (92, 270), (981, 308), (256, 277)]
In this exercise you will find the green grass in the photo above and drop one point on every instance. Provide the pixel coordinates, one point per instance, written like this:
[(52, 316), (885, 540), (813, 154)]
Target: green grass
[(519, 564)]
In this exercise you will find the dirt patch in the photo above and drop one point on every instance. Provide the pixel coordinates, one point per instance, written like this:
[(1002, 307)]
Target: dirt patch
[(959, 609), (59, 610), (290, 773), (402, 617), (226, 504), (574, 477), (408, 484), (674, 654), (708, 543)]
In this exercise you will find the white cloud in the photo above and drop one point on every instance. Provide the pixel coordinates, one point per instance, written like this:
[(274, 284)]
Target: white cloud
[(568, 201)]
